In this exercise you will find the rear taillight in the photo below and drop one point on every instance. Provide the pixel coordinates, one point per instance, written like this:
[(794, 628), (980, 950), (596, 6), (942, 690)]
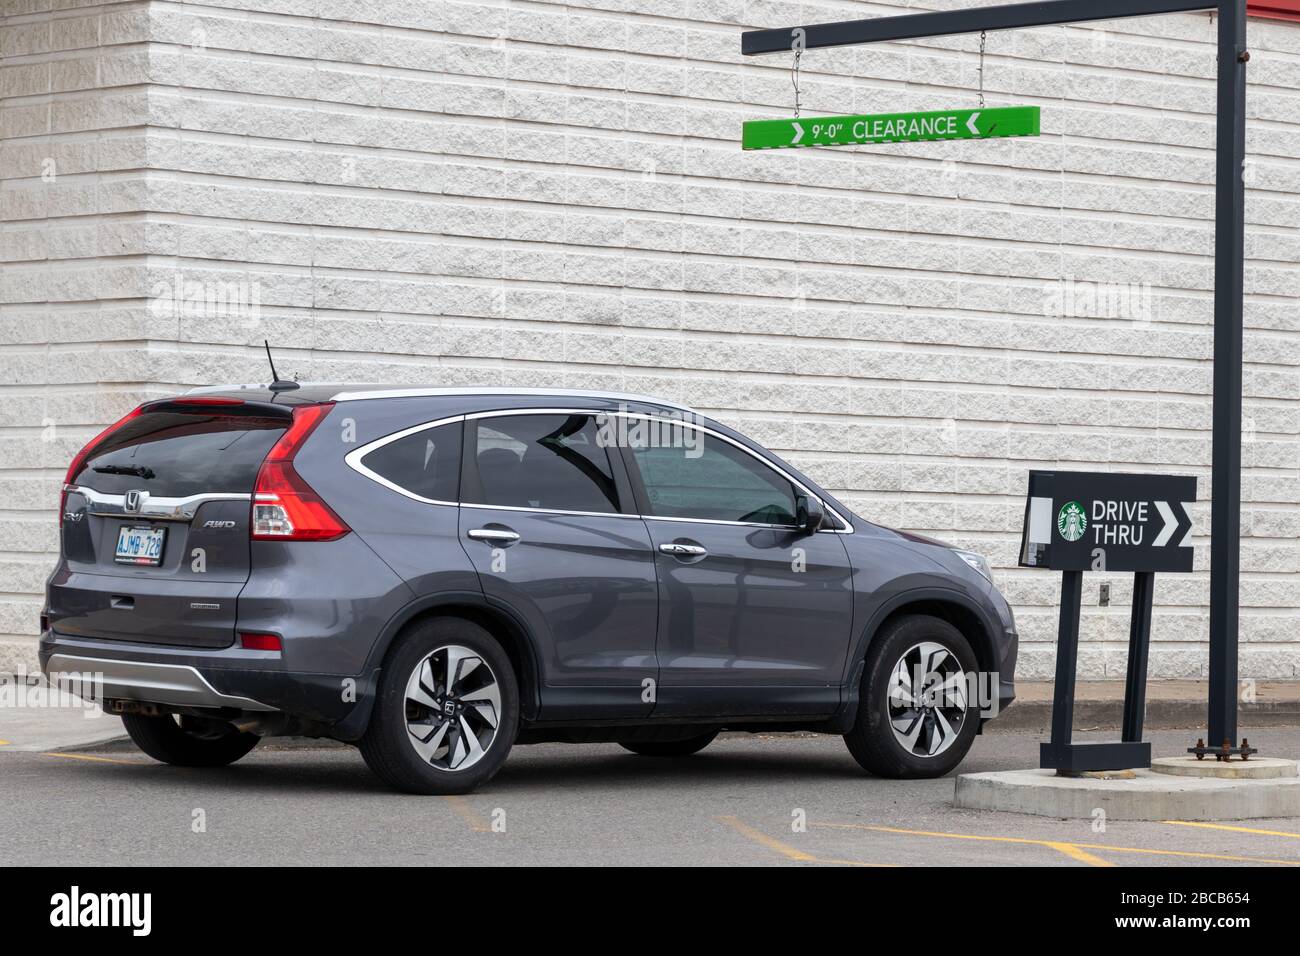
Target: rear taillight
[(285, 508), (82, 455)]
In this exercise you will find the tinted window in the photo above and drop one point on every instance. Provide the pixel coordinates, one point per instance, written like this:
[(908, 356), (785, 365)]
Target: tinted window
[(688, 474), (551, 462), (172, 454), (425, 463)]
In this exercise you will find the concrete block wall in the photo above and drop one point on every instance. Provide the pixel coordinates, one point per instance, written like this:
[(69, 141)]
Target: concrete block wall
[(553, 194)]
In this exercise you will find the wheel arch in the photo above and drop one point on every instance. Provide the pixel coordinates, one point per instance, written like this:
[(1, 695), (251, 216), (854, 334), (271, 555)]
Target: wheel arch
[(472, 606), (956, 608), (947, 605)]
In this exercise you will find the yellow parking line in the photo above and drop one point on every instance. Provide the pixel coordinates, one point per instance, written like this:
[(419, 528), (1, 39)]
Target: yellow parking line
[(1074, 853), (1050, 843), (785, 849), (466, 813), (1224, 826), (129, 763)]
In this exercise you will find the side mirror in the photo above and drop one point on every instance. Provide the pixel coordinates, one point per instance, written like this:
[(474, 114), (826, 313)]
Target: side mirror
[(809, 513)]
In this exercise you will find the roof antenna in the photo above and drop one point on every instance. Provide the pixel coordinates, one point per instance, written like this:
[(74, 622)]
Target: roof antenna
[(277, 384)]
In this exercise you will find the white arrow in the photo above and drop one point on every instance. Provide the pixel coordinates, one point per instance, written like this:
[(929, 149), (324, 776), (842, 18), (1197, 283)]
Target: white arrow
[(798, 133), (1171, 524), (970, 124)]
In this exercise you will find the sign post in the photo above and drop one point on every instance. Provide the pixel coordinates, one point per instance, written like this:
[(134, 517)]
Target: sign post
[(1092, 521)]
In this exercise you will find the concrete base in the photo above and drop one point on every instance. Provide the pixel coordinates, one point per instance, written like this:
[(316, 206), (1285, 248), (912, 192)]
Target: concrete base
[(1147, 796), (1257, 768)]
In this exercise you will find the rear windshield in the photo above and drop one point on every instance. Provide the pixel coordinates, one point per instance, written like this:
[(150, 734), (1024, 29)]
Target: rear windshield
[(174, 455)]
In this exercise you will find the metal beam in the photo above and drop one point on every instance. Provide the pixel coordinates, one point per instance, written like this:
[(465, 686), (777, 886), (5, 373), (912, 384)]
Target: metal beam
[(1229, 265), (952, 22)]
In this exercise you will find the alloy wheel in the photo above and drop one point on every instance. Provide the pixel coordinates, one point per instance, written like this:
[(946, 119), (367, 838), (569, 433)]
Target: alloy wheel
[(927, 699), (453, 708)]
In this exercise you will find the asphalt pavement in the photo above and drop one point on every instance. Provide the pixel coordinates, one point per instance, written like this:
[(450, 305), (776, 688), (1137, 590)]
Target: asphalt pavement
[(744, 801)]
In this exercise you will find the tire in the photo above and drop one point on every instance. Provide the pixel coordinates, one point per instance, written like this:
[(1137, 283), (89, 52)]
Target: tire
[(671, 748), (935, 650), (414, 742), (188, 743)]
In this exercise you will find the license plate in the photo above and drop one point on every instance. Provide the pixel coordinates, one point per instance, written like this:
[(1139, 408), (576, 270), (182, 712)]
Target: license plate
[(140, 546)]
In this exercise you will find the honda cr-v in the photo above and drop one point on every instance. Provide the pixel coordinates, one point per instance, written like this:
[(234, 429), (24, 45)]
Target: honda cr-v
[(438, 574)]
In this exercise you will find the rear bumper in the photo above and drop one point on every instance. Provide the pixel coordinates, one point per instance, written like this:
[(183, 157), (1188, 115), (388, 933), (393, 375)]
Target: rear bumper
[(178, 685), (228, 680)]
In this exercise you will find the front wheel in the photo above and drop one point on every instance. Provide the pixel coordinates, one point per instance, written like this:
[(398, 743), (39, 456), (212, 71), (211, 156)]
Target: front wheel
[(188, 741), (915, 713)]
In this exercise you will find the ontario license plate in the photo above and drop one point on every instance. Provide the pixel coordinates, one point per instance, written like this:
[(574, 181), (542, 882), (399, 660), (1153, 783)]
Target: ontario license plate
[(140, 546)]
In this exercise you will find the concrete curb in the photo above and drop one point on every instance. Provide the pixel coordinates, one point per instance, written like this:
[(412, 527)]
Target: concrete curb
[(1171, 705), (1036, 715), (1147, 796)]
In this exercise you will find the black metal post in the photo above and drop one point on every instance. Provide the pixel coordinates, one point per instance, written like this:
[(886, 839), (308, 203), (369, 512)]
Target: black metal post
[(1229, 259), (1139, 646), (1067, 658)]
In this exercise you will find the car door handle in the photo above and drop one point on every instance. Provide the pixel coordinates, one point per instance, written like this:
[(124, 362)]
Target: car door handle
[(684, 550), (495, 535)]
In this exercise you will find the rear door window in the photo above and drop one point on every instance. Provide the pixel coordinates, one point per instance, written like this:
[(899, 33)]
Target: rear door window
[(425, 463), (178, 454), (542, 462)]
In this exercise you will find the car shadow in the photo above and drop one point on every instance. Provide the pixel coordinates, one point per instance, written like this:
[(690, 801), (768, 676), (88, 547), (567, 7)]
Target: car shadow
[(337, 770)]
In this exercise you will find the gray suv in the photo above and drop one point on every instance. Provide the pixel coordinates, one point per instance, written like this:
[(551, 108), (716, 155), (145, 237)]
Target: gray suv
[(437, 574)]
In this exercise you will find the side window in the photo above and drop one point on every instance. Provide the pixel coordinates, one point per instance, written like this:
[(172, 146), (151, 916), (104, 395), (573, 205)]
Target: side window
[(694, 475), (425, 463), (548, 462)]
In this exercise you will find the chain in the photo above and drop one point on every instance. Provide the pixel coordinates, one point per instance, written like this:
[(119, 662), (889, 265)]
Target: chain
[(794, 79), (983, 43)]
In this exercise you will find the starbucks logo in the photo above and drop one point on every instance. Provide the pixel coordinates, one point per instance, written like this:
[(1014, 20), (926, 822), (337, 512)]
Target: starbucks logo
[(1072, 522)]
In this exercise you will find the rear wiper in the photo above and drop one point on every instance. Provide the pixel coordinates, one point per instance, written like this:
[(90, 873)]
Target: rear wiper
[(140, 471)]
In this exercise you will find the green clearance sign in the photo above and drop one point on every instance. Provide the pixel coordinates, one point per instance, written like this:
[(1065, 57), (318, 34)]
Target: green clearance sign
[(991, 123)]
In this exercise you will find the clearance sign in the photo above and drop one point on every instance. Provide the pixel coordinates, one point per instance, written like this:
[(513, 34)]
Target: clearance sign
[(892, 128)]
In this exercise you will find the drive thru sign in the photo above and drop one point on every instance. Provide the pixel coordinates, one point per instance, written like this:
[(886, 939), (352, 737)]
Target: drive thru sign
[(892, 127), (1102, 521), (1078, 521)]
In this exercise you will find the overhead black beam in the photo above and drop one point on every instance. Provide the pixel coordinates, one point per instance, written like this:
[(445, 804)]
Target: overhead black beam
[(914, 26)]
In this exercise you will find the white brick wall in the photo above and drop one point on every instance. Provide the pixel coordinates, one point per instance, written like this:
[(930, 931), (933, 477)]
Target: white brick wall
[(542, 193)]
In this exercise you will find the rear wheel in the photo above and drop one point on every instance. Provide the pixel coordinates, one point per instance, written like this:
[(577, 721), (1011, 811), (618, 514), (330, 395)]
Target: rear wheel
[(915, 715), (670, 748), (188, 741), (447, 710)]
